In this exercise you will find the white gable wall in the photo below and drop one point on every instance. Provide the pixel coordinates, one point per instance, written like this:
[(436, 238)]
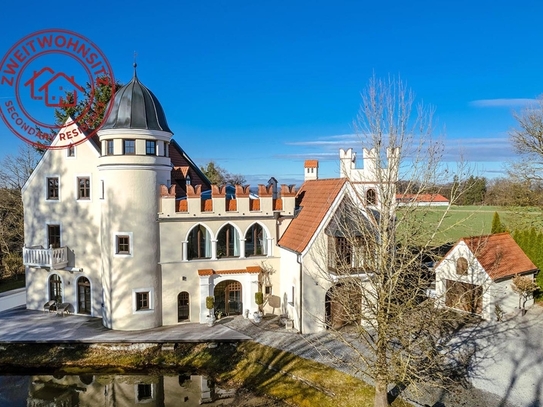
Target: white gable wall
[(78, 220), (500, 292)]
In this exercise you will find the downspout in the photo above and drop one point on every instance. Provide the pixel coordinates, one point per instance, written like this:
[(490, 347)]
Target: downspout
[(299, 261)]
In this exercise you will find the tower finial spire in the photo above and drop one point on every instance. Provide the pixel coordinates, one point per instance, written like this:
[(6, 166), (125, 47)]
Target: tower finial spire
[(135, 64)]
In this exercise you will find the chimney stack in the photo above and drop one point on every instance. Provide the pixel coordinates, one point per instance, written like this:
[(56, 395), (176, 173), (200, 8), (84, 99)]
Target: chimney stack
[(311, 170)]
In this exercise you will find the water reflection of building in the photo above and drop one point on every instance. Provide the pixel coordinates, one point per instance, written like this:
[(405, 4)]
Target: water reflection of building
[(125, 391)]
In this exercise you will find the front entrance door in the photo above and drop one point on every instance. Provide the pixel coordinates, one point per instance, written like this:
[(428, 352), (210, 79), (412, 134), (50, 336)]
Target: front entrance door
[(83, 296), (228, 297), (182, 306)]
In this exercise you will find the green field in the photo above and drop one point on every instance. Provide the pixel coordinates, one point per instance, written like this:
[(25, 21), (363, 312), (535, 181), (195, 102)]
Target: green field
[(462, 221)]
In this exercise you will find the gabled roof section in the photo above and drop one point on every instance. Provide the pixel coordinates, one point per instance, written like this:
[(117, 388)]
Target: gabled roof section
[(314, 200), (500, 255), (182, 165)]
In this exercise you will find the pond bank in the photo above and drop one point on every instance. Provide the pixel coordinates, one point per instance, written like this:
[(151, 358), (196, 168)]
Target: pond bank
[(279, 375)]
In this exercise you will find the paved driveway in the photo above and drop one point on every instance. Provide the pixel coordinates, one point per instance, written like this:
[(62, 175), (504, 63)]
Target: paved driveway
[(22, 325), (510, 360)]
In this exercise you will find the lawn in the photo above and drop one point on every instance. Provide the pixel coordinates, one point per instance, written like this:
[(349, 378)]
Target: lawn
[(462, 221)]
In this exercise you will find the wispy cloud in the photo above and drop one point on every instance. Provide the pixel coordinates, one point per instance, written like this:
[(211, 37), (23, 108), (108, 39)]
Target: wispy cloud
[(330, 141), (520, 102)]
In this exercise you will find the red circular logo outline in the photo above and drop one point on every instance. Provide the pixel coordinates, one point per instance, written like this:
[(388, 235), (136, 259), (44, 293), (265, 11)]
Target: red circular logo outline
[(25, 45)]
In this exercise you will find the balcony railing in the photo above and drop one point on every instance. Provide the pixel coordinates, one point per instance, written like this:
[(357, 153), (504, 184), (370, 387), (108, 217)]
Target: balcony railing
[(37, 256)]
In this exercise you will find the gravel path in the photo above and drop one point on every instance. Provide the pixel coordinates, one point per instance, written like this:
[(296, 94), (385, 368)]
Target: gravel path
[(318, 347)]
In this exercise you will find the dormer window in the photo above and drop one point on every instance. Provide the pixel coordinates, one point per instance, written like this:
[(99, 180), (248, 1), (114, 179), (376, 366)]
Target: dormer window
[(150, 147), (129, 147)]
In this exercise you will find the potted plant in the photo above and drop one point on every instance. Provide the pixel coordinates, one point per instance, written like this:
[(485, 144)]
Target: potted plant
[(210, 303), (259, 300)]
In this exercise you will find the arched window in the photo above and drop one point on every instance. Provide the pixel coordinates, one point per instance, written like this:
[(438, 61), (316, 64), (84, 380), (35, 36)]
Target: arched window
[(256, 241), (371, 197), (83, 296), (462, 266), (199, 243), (183, 306), (228, 242), (55, 288)]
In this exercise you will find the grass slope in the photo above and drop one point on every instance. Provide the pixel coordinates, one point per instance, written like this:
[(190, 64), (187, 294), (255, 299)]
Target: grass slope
[(259, 368)]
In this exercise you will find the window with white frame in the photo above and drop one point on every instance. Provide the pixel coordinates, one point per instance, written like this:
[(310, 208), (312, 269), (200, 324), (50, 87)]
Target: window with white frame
[(83, 188), (70, 152), (124, 244), (142, 299), (52, 188), (129, 147), (109, 147), (150, 147)]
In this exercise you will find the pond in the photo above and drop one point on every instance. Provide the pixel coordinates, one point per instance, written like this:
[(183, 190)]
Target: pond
[(114, 390)]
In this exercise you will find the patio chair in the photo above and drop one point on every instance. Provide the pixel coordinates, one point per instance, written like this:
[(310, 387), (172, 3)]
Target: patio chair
[(64, 308), (50, 306)]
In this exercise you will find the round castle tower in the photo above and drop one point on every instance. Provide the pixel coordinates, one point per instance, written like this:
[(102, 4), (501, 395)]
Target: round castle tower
[(134, 162)]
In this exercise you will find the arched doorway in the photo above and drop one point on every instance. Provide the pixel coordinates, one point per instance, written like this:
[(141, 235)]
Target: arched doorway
[(228, 297), (83, 296), (183, 306)]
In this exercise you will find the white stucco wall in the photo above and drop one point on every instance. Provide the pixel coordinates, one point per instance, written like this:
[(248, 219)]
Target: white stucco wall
[(181, 274), (78, 219)]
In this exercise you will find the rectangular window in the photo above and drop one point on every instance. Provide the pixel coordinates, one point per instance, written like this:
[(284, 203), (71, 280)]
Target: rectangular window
[(166, 149), (52, 188), (71, 151), (83, 188), (53, 236), (102, 189), (150, 147), (123, 244), (145, 392), (142, 301), (268, 290), (109, 147), (129, 147)]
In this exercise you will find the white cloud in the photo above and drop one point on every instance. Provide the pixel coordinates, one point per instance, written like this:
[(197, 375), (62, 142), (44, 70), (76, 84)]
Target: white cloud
[(519, 102)]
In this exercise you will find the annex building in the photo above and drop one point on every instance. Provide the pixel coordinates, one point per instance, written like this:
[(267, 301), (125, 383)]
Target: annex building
[(126, 227)]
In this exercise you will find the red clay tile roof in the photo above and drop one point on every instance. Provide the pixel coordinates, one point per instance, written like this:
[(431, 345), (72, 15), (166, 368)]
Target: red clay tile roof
[(249, 269), (421, 198), (311, 164), (315, 198), (499, 255)]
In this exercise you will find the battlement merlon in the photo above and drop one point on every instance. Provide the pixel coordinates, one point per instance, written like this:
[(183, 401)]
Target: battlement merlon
[(370, 165), (243, 205)]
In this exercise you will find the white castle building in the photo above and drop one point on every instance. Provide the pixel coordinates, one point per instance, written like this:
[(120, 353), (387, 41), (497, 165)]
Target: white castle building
[(127, 228)]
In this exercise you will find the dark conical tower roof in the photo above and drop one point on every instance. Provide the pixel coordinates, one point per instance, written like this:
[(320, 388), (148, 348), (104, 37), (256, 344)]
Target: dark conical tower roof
[(136, 107)]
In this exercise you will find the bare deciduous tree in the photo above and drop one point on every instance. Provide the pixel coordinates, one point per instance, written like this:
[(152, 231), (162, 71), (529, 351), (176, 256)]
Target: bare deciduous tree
[(14, 171), (527, 140), (525, 287), (373, 258)]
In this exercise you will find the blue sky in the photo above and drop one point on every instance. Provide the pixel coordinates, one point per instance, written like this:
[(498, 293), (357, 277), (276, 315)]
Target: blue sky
[(260, 86)]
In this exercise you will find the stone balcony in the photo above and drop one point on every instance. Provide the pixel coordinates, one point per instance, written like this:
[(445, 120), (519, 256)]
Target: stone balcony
[(37, 256)]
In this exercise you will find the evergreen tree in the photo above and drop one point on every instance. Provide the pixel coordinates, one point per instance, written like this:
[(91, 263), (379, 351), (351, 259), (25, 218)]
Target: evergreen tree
[(497, 225)]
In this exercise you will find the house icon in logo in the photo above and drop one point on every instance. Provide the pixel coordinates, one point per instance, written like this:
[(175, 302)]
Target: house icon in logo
[(54, 88)]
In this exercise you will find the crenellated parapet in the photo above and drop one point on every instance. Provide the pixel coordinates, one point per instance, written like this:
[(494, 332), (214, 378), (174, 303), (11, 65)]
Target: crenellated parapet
[(219, 202), (374, 168)]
